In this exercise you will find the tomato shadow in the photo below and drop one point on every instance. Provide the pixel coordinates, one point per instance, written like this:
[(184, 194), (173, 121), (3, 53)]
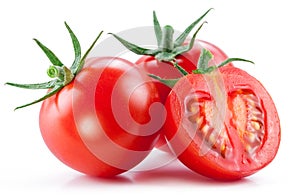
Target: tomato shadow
[(177, 174), (173, 174), (90, 181)]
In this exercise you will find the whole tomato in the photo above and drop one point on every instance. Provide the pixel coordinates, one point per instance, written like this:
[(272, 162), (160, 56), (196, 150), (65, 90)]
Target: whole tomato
[(90, 119), (96, 126), (172, 59)]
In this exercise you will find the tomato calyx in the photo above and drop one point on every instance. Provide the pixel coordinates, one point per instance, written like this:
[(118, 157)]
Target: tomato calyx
[(167, 48), (62, 75), (204, 66)]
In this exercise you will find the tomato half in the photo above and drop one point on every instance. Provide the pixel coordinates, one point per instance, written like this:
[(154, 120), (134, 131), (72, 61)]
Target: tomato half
[(105, 121), (239, 143)]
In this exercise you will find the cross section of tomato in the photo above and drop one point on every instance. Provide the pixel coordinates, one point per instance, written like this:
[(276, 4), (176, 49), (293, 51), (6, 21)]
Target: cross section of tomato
[(226, 134)]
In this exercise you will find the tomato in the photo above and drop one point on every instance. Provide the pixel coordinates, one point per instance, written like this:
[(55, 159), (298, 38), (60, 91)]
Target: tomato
[(101, 116), (163, 62), (223, 134), (94, 124)]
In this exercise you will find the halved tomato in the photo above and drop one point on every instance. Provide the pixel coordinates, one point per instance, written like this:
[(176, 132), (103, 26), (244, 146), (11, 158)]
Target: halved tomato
[(222, 124)]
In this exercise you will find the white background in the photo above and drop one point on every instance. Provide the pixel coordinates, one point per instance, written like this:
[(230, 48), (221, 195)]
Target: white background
[(266, 32)]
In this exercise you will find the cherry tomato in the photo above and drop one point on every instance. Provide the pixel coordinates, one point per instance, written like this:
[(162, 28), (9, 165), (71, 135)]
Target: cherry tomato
[(230, 141), (101, 115), (94, 124), (173, 57)]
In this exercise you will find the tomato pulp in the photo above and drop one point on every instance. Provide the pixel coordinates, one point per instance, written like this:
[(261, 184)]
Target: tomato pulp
[(239, 143)]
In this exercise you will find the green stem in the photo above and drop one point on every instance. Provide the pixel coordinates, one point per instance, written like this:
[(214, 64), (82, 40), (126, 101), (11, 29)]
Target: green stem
[(167, 44), (64, 74), (203, 62), (55, 72), (204, 59)]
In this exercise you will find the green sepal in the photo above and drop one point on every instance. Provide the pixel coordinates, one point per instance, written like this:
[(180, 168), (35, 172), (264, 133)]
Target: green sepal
[(77, 49), (45, 85), (157, 29), (51, 56), (179, 68), (229, 60), (182, 49), (78, 61), (52, 92), (87, 53), (135, 48), (169, 82), (181, 38)]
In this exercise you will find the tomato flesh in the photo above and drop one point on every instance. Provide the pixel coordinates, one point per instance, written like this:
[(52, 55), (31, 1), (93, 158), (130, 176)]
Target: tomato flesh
[(248, 118), (245, 141)]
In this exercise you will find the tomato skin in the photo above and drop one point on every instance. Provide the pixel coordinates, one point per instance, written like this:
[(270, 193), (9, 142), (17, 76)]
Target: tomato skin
[(60, 134), (80, 128), (166, 70), (185, 141)]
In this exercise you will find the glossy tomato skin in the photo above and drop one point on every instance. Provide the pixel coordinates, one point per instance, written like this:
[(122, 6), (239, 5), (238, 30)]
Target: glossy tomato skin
[(59, 132), (166, 70), (81, 129), (234, 154)]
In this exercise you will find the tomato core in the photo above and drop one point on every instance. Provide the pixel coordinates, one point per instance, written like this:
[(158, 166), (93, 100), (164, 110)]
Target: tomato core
[(246, 117)]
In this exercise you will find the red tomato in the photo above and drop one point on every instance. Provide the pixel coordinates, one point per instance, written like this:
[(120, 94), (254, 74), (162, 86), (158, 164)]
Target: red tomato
[(166, 70), (105, 121), (239, 143)]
